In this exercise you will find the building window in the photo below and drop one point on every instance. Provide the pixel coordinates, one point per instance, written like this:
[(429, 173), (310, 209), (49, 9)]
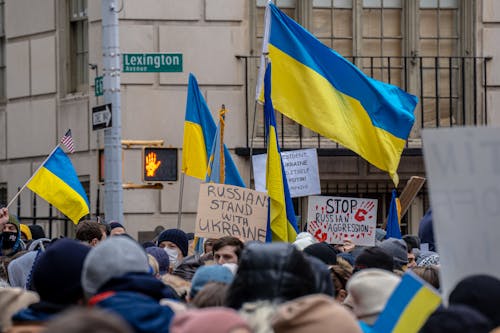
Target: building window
[(2, 50), (79, 46)]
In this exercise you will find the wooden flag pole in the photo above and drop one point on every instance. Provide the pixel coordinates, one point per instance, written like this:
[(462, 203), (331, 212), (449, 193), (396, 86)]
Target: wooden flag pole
[(222, 116)]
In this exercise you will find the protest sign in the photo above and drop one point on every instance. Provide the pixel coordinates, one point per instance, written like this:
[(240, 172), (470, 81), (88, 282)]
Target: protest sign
[(228, 210), (463, 168), (301, 169), (333, 219)]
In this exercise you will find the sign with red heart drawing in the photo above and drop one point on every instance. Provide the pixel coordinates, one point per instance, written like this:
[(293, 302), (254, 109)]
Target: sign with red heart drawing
[(334, 219)]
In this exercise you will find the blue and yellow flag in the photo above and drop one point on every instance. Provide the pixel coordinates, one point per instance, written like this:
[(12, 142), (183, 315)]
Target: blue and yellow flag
[(319, 89), (56, 181), (393, 228), (199, 134), (282, 225), (409, 306)]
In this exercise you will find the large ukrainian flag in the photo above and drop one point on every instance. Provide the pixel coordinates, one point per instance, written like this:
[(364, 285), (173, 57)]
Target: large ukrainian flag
[(319, 89), (199, 135), (281, 225), (57, 182)]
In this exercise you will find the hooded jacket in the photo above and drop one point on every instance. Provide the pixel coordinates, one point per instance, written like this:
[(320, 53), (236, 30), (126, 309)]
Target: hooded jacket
[(277, 272), (135, 297)]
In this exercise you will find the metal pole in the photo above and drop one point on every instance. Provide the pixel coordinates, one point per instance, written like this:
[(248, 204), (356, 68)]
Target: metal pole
[(113, 191), (181, 193)]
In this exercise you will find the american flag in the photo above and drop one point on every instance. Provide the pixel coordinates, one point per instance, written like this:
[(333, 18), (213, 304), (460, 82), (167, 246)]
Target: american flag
[(67, 140)]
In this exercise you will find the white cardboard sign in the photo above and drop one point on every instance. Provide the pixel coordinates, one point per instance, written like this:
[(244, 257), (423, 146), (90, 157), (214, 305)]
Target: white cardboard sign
[(301, 169), (333, 219), (463, 168)]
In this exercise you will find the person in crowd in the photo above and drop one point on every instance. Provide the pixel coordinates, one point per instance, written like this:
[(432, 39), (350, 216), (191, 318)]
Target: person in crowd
[(430, 274), (116, 276), (269, 274), (84, 320), (10, 241), (323, 251), (480, 292), (89, 232), (56, 279), (340, 273), (426, 232), (303, 240), (227, 250), (37, 231), (209, 320), (373, 257), (175, 242), (20, 268), (11, 301), (208, 247), (397, 249), (210, 295), (427, 258), (457, 318), (368, 291), (413, 247), (161, 258), (206, 274), (25, 233), (190, 236), (116, 228), (314, 313)]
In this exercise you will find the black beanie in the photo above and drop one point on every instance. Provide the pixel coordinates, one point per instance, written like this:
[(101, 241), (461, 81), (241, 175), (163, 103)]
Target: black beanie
[(374, 257), (176, 236), (57, 272), (480, 292), (322, 251), (457, 318)]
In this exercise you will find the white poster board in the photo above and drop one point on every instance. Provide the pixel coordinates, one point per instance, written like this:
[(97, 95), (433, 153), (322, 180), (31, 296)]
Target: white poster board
[(463, 168), (228, 210), (301, 169), (333, 219)]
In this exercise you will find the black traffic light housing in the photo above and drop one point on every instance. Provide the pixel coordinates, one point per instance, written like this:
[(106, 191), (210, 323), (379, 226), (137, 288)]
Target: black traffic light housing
[(159, 164)]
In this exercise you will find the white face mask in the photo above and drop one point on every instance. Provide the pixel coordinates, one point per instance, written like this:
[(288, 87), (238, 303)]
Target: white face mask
[(172, 256)]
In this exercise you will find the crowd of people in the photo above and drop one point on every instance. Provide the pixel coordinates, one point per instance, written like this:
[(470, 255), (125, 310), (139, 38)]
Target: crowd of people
[(104, 281)]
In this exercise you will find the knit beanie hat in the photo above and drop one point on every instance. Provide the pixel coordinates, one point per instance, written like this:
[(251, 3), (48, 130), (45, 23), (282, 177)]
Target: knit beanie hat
[(457, 318), (57, 271), (113, 257), (115, 224), (176, 236), (480, 292), (26, 231), (314, 313), (397, 249), (211, 273), (161, 256), (36, 231), (368, 292), (374, 257), (322, 251), (11, 301), (13, 220), (303, 240), (208, 320)]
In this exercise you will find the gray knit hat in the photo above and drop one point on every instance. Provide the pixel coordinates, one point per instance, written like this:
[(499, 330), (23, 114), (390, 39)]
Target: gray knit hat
[(397, 249), (114, 257)]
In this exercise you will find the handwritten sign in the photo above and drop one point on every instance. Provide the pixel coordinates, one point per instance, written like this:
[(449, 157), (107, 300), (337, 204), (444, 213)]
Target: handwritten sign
[(333, 219), (301, 169), (463, 168), (227, 210)]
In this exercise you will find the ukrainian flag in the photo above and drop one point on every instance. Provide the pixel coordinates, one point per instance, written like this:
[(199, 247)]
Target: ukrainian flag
[(281, 216), (393, 228), (199, 134), (409, 306), (57, 182), (319, 89)]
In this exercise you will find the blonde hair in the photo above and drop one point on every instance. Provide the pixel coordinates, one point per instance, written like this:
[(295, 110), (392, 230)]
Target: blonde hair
[(153, 263)]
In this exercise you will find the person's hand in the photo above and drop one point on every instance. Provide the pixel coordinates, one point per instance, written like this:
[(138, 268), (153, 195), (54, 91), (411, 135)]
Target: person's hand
[(348, 245), (4, 217)]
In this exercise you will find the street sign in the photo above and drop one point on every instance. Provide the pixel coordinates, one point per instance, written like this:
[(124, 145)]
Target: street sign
[(152, 62), (101, 117), (98, 87)]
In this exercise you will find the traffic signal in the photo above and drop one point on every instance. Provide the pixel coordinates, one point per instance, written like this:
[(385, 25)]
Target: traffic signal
[(159, 164)]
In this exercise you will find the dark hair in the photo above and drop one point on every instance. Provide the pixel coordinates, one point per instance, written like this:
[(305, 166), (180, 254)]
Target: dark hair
[(86, 231), (341, 273), (212, 294), (412, 242), (430, 274), (229, 241)]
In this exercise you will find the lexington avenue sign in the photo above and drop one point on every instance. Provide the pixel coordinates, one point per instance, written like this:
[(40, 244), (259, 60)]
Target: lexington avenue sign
[(152, 62)]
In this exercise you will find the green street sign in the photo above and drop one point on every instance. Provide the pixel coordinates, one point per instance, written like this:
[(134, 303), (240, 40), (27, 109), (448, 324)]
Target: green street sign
[(152, 62), (98, 87)]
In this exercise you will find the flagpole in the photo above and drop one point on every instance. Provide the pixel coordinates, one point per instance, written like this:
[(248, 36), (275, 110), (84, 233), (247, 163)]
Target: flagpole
[(33, 175), (222, 163), (181, 192)]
